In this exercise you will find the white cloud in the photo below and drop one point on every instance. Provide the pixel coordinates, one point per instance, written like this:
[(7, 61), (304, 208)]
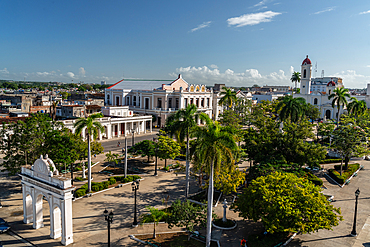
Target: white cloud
[(263, 2), (4, 71), (82, 72), (201, 26), (43, 73), (324, 10), (365, 12), (70, 74), (352, 79), (213, 66), (252, 19), (209, 76)]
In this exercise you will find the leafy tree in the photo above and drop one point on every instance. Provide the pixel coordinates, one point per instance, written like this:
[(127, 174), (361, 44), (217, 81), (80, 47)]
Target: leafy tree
[(92, 127), (296, 77), (215, 145), (65, 95), (167, 147), (146, 148), (356, 107), (291, 108), (188, 215), (325, 130), (339, 97), (229, 178), (228, 97), (286, 203), (311, 112), (350, 141), (181, 123)]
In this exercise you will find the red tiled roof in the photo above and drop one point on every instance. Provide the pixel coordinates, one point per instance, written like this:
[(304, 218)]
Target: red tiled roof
[(306, 61)]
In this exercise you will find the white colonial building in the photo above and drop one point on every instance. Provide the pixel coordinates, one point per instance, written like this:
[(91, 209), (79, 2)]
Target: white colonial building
[(159, 98), (316, 91)]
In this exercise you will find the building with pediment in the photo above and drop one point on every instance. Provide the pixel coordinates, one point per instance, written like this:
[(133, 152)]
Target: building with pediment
[(159, 98)]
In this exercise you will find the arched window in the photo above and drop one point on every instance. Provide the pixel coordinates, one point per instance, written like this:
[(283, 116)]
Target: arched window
[(315, 101), (304, 73)]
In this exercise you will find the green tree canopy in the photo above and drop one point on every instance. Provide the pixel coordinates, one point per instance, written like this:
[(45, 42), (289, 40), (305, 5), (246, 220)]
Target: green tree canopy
[(286, 203), (339, 97), (228, 97), (291, 108), (146, 148)]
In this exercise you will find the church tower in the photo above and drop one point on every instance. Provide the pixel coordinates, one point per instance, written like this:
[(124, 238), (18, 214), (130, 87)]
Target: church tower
[(306, 70)]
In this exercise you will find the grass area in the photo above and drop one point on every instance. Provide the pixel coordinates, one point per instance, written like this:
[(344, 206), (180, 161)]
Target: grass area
[(266, 240), (335, 173)]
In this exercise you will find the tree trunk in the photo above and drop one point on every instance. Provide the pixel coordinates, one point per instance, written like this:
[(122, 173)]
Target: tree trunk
[(346, 160), (89, 162), (187, 166), (341, 165), (125, 157), (209, 208), (154, 235), (165, 163), (72, 174), (338, 116)]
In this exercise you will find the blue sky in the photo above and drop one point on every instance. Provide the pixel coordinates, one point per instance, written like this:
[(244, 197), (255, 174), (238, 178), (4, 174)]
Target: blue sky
[(239, 43)]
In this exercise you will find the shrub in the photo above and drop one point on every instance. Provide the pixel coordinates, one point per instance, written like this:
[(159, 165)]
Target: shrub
[(105, 185), (80, 179), (333, 173), (112, 180), (85, 186), (95, 187), (80, 192)]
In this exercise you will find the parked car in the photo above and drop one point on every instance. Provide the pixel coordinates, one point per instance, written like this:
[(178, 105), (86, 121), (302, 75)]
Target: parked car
[(4, 226)]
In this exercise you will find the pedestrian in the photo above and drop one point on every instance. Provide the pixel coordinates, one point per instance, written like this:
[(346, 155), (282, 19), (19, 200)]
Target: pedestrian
[(123, 150), (119, 144)]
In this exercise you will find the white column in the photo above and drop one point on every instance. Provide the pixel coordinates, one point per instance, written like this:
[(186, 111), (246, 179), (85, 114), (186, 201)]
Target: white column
[(125, 129), (67, 226), (27, 206), (38, 220), (151, 125), (119, 129), (144, 126), (109, 131)]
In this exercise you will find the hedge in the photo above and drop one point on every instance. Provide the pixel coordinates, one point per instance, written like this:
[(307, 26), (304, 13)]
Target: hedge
[(104, 185), (335, 173), (328, 161), (308, 175)]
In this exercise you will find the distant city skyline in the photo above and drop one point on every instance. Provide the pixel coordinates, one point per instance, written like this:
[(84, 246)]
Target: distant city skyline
[(238, 43)]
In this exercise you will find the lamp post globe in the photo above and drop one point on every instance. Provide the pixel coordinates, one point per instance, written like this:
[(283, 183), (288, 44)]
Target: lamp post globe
[(109, 219), (135, 187)]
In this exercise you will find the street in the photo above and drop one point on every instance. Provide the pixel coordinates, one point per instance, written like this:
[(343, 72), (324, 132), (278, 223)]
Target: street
[(111, 144)]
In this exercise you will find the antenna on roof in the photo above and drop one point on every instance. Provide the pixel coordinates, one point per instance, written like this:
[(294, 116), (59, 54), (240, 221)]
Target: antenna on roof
[(322, 73)]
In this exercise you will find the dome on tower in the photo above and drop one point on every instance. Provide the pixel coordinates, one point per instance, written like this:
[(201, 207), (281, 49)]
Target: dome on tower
[(331, 83), (306, 61)]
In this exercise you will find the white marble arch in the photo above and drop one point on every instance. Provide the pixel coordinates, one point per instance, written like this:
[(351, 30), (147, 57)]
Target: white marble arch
[(42, 181)]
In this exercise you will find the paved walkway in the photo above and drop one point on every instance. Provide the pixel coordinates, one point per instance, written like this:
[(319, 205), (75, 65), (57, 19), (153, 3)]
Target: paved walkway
[(90, 228)]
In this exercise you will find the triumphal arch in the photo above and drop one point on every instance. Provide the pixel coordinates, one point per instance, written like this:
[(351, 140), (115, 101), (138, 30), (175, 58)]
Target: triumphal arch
[(43, 182)]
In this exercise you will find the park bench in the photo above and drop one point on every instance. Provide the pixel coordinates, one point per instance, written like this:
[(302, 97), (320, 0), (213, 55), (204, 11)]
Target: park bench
[(215, 236)]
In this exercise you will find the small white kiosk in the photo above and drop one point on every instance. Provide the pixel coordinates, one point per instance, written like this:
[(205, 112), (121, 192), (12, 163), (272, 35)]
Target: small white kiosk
[(42, 181)]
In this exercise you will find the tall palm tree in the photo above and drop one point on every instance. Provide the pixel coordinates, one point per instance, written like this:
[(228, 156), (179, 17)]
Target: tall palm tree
[(339, 97), (180, 124), (228, 98), (356, 107), (291, 108), (215, 145), (296, 77), (92, 130)]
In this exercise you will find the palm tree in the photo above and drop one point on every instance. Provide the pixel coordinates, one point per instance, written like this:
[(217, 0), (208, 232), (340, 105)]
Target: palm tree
[(53, 109), (296, 77), (93, 127), (180, 124), (215, 145), (228, 98), (356, 107), (339, 97), (291, 108)]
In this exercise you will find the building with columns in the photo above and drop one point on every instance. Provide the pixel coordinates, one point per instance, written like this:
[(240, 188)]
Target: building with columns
[(158, 98), (316, 91)]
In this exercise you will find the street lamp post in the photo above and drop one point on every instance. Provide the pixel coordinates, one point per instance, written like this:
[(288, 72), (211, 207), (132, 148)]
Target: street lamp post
[(156, 155), (354, 233), (109, 219), (135, 187)]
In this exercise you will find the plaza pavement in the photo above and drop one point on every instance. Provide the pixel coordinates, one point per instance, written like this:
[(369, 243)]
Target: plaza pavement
[(90, 228)]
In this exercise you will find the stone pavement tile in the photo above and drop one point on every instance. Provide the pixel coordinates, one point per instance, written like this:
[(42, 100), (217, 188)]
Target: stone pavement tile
[(363, 238)]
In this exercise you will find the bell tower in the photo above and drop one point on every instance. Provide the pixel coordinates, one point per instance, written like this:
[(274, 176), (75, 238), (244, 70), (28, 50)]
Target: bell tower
[(306, 70)]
